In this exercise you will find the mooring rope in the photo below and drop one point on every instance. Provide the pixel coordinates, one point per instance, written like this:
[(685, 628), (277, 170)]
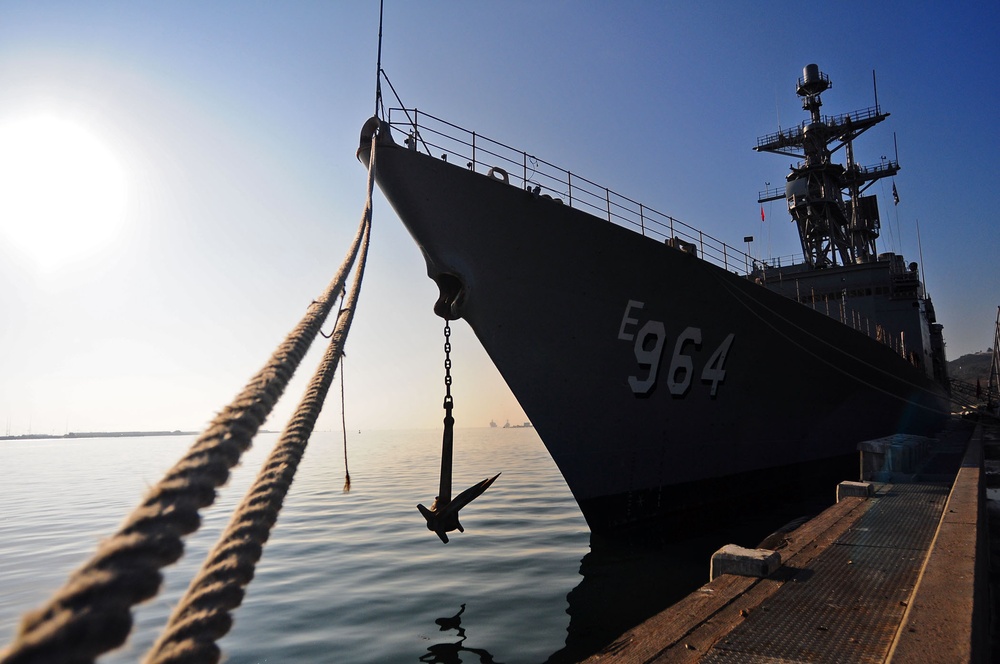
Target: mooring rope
[(91, 613), (202, 615), (343, 428)]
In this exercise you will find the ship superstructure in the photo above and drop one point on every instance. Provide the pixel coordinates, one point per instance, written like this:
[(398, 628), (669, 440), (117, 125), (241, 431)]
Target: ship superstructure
[(838, 226), (667, 372), (835, 221)]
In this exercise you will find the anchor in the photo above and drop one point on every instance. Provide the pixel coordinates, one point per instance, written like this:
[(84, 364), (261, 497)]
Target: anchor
[(442, 517)]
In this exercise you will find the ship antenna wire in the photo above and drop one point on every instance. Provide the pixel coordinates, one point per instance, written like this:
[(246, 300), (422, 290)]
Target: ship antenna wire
[(410, 120), (920, 251), (378, 73), (875, 90)]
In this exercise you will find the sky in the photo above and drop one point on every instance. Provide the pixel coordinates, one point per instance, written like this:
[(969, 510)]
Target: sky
[(188, 183)]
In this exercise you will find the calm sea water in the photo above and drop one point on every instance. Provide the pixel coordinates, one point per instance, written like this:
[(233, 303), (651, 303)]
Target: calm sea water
[(357, 577)]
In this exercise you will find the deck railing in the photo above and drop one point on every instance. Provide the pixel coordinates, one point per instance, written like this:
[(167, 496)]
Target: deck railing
[(793, 136), (437, 137)]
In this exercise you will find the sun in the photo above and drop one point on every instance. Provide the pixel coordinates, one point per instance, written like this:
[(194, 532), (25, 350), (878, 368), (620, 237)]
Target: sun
[(62, 191)]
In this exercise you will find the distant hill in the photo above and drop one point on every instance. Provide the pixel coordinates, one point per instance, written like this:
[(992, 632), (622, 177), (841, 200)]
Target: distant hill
[(970, 367)]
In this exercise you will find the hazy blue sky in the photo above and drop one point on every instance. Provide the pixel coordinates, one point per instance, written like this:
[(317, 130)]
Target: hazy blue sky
[(234, 127)]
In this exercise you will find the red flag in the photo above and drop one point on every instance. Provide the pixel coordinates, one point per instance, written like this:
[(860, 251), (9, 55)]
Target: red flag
[(762, 213)]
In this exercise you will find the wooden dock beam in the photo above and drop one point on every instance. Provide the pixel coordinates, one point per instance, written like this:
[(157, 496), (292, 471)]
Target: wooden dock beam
[(850, 584)]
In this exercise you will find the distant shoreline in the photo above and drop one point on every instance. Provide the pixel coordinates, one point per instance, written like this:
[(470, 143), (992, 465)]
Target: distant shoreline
[(97, 434)]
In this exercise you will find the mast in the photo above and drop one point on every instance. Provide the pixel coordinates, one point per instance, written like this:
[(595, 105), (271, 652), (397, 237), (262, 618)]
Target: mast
[(378, 62), (836, 222)]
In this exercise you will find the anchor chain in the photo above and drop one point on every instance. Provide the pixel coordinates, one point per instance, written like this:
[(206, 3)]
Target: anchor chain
[(447, 443), (442, 517)]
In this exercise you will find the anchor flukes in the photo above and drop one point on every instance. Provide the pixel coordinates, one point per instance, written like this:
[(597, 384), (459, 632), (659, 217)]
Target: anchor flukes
[(442, 517)]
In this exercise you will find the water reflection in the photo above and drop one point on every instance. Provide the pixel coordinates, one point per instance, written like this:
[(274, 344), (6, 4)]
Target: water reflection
[(450, 653), (624, 583), (627, 580)]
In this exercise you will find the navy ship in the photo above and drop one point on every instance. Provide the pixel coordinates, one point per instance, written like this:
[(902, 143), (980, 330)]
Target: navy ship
[(667, 372)]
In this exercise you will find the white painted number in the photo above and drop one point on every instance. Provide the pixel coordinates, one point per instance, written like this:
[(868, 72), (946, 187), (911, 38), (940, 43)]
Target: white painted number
[(713, 372), (649, 340), (648, 349), (683, 364)]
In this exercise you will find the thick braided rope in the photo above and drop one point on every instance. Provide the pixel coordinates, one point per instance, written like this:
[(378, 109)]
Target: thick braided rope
[(91, 613), (203, 615)]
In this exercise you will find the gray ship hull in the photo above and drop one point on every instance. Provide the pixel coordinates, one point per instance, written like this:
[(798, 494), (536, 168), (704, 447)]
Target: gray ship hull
[(656, 380)]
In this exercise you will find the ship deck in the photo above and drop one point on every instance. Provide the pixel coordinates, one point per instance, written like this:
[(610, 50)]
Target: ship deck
[(901, 575)]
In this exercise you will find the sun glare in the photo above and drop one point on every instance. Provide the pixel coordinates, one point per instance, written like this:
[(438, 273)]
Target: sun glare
[(62, 192)]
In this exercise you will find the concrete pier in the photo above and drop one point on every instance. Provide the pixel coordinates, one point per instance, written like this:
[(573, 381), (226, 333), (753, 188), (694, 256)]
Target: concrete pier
[(894, 571)]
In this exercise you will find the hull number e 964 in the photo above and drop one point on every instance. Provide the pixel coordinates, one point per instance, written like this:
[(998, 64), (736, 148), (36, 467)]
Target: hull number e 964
[(649, 340)]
